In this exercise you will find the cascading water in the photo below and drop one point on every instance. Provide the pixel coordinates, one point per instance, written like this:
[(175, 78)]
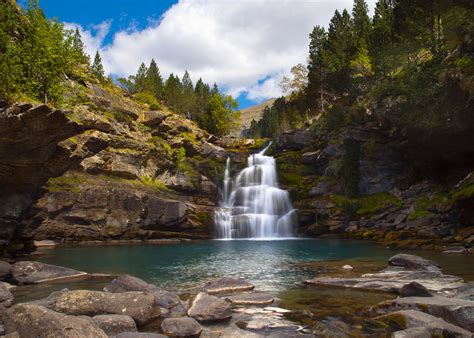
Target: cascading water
[(252, 205)]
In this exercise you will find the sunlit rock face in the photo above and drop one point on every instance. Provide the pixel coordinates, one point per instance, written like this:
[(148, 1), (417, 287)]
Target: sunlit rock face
[(252, 205)]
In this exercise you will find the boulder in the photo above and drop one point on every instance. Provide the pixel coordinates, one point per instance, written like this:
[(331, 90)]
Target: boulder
[(207, 308), (227, 284), (6, 297), (5, 268), (414, 289), (153, 118), (412, 262), (30, 320), (254, 298), (458, 312), (181, 327), (408, 320), (126, 283), (28, 272), (138, 305), (115, 324)]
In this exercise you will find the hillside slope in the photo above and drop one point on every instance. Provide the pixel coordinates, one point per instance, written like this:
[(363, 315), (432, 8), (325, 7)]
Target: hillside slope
[(254, 113)]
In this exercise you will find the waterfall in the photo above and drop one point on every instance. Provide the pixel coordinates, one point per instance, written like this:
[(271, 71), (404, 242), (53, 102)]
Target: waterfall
[(252, 205)]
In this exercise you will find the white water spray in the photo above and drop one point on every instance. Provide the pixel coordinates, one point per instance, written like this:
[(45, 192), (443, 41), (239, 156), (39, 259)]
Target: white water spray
[(252, 205)]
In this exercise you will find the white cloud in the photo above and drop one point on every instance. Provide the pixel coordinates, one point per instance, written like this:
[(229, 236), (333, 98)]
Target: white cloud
[(244, 46)]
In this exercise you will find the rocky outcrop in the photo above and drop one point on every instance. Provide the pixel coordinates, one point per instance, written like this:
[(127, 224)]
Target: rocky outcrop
[(207, 308), (115, 324), (138, 305), (29, 272), (409, 323), (28, 320), (403, 270), (181, 327)]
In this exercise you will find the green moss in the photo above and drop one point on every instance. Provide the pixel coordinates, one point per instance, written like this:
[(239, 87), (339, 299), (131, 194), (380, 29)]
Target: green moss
[(395, 320), (149, 99), (65, 183), (204, 218), (123, 151), (372, 204), (189, 136), (463, 193), (423, 203), (151, 183)]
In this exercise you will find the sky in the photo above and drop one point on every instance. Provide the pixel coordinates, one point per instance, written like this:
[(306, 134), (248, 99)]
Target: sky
[(245, 46)]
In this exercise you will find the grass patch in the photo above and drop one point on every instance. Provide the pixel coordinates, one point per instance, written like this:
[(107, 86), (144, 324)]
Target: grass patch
[(65, 183)]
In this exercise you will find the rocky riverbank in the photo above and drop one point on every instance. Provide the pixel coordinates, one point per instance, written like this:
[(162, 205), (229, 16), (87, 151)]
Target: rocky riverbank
[(428, 303)]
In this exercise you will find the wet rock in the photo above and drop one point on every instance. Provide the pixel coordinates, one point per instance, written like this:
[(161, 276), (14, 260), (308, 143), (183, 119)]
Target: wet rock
[(270, 327), (30, 320), (414, 289), (125, 283), (49, 301), (115, 324), (138, 305), (459, 312), (6, 297), (181, 327), (227, 284), (412, 262), (255, 298), (405, 321), (294, 139), (28, 272), (466, 292), (206, 308)]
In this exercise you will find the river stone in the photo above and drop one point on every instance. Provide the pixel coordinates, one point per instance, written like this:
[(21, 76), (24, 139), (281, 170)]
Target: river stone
[(6, 297), (254, 298), (412, 262), (138, 305), (410, 319), (30, 320), (206, 308), (414, 289), (125, 283), (5, 268), (181, 327), (27, 272), (115, 324), (227, 284), (458, 312)]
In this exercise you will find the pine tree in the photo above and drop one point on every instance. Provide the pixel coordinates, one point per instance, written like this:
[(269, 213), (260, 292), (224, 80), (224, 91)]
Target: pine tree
[(361, 25), (78, 48), (153, 82), (97, 67), (141, 78), (316, 68), (382, 36)]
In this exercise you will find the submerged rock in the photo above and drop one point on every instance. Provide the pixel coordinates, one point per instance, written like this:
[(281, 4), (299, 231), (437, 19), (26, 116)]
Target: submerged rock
[(138, 305), (227, 284), (410, 323), (125, 283), (254, 298), (181, 327), (5, 268), (412, 262), (459, 312), (207, 308), (27, 272), (29, 320), (140, 335), (115, 324)]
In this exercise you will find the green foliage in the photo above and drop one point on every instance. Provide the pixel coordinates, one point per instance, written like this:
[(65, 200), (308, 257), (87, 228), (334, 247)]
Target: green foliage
[(97, 67), (152, 183), (367, 205), (349, 170), (149, 99), (222, 116)]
